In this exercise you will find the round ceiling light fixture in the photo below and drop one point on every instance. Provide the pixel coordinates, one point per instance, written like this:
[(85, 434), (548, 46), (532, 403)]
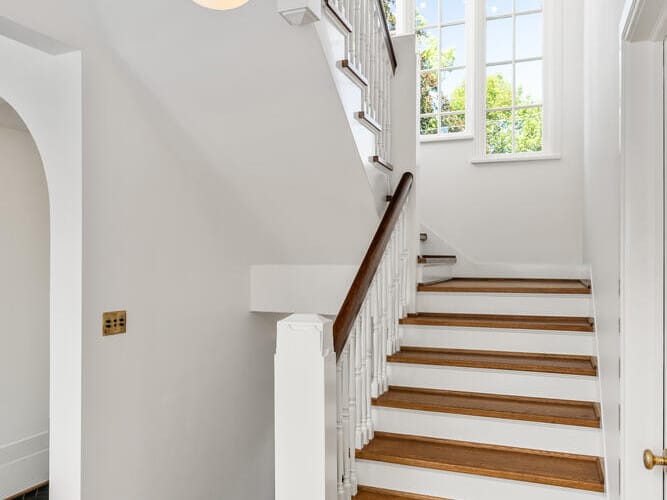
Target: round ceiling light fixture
[(220, 4)]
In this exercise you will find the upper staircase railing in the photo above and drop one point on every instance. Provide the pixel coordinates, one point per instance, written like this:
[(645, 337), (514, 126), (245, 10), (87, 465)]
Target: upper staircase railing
[(371, 62)]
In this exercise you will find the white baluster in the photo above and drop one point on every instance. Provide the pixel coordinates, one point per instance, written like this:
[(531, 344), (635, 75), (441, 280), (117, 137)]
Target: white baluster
[(397, 287), (362, 341), (356, 34), (375, 325), (357, 347), (347, 464), (352, 404), (368, 423), (385, 325), (339, 430)]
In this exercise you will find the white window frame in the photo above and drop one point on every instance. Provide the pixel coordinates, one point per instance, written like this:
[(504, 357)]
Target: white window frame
[(469, 20), (552, 15), (552, 67)]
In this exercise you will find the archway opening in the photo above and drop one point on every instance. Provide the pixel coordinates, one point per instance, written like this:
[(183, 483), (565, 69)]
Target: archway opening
[(24, 309)]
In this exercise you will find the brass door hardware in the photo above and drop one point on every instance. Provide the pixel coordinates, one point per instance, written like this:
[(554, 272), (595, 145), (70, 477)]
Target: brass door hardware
[(650, 460)]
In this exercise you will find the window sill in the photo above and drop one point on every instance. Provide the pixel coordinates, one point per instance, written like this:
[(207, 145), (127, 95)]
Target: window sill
[(510, 158), (446, 138)]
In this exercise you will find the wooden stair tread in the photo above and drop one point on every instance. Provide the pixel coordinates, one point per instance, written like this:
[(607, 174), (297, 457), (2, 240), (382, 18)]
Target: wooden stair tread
[(503, 285), (560, 323), (557, 469), (499, 360), (436, 259), (368, 493), (553, 411)]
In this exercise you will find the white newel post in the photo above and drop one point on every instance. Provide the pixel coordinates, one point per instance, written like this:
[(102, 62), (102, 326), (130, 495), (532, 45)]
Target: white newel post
[(305, 409)]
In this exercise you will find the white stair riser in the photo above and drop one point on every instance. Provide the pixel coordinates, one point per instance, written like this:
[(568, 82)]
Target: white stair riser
[(516, 383), (516, 433), (461, 486), (505, 303), (433, 272), (499, 339)]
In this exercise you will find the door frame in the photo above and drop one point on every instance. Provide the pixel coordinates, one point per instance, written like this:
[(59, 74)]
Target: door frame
[(642, 335)]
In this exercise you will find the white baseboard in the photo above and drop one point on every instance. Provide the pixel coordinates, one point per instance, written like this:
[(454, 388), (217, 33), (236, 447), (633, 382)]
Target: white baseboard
[(24, 464)]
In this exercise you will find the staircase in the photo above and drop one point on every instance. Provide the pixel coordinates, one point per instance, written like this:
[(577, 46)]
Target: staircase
[(489, 392), (504, 402)]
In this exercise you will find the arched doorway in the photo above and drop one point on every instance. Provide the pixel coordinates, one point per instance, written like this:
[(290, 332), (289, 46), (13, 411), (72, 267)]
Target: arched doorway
[(24, 307), (45, 91)]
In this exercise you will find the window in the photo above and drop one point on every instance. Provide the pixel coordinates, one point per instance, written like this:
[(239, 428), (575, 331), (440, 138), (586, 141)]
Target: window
[(514, 76), (390, 12), (488, 70), (441, 34)]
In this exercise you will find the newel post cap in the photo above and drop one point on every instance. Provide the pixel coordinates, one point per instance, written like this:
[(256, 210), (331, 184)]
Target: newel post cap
[(309, 326)]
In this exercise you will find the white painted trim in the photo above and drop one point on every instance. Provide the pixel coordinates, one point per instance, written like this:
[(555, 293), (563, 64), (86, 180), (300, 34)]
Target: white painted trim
[(644, 20), (642, 237), (629, 19), (553, 85), (444, 138), (305, 409), (22, 449), (45, 90), (515, 157)]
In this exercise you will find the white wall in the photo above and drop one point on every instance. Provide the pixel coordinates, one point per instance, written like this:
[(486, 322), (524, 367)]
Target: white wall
[(522, 212), (602, 203), (24, 309), (196, 165)]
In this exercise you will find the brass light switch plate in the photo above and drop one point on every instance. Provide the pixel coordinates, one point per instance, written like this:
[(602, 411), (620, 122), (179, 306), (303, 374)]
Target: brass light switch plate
[(114, 323)]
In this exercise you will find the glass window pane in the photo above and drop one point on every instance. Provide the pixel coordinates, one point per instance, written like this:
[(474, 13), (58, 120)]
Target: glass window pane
[(428, 126), (390, 11), (453, 46), (453, 90), (498, 7), (428, 48), (529, 83), (524, 5), (528, 130), (426, 13), (499, 40), (453, 10), (499, 86), (499, 132), (529, 36), (451, 124), (429, 92)]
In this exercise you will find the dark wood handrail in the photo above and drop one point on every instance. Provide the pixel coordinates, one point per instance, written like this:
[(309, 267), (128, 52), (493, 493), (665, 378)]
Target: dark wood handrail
[(362, 281), (387, 37)]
